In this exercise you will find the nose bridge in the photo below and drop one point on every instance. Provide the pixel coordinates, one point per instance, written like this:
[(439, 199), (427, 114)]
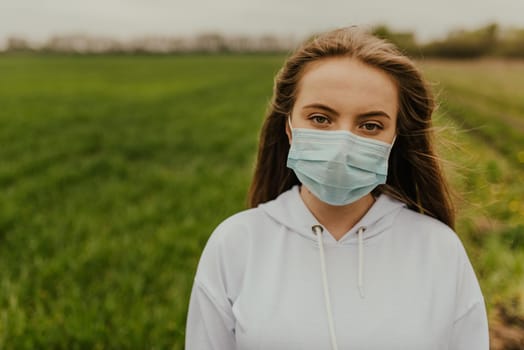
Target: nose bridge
[(346, 123)]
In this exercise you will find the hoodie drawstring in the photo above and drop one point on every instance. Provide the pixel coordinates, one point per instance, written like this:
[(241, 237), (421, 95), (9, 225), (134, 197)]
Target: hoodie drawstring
[(318, 230), (360, 261)]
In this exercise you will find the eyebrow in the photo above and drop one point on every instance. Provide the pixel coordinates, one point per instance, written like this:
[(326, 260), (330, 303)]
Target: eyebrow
[(323, 107), (374, 113), (377, 113)]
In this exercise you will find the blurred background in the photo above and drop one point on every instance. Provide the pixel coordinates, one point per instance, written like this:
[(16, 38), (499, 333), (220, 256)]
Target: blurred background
[(129, 128)]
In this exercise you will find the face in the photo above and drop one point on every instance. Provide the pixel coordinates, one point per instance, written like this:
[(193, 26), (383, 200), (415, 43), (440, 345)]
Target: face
[(342, 93)]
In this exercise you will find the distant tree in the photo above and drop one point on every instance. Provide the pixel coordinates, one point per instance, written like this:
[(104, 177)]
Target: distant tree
[(404, 40), (511, 43), (211, 42), (465, 43), (16, 43), (179, 45), (241, 44), (270, 43), (81, 43)]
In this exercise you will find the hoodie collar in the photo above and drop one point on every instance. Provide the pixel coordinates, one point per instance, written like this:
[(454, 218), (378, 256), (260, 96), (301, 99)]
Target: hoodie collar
[(290, 210)]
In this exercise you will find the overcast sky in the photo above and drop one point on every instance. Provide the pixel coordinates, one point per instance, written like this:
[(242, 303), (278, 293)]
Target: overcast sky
[(39, 19)]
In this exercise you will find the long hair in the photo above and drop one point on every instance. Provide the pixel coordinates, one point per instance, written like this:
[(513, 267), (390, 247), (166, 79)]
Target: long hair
[(415, 174)]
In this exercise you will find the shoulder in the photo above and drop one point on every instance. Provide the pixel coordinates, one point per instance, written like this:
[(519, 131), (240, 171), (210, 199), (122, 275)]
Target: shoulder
[(237, 227), (230, 241), (427, 231), (224, 258), (439, 244)]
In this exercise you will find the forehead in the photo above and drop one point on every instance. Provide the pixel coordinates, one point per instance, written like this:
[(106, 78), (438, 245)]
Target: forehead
[(347, 82)]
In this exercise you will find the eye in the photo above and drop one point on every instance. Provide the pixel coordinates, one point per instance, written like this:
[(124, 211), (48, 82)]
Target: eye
[(371, 127), (319, 119)]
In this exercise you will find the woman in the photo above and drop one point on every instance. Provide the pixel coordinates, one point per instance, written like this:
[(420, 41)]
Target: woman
[(349, 241)]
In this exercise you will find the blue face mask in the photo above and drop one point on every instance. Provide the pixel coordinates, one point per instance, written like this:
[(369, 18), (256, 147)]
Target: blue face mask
[(338, 167)]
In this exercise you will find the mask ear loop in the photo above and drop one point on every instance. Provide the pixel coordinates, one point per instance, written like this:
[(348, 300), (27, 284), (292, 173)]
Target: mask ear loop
[(289, 123)]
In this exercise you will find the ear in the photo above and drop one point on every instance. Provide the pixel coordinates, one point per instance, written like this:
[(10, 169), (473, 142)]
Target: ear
[(288, 129)]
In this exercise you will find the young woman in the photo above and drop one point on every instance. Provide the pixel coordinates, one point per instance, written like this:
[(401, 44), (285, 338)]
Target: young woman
[(349, 241)]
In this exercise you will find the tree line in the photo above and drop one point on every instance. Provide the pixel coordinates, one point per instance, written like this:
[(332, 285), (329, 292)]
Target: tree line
[(202, 43), (489, 40)]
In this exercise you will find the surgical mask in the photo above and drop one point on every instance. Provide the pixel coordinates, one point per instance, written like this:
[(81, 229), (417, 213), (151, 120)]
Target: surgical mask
[(338, 167)]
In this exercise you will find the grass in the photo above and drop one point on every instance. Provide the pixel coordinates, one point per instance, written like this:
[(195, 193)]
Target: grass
[(482, 104), (486, 97), (116, 169), (114, 172)]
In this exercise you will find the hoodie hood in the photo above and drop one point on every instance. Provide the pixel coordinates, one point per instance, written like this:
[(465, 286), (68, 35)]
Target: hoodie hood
[(289, 210)]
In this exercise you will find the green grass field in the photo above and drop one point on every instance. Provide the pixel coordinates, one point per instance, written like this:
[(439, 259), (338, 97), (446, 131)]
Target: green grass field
[(115, 170)]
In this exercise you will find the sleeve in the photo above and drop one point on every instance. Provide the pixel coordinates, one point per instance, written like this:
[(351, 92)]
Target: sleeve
[(210, 325), (471, 330), (470, 326)]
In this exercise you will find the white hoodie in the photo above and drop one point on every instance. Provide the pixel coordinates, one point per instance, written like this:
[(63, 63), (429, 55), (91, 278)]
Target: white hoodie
[(407, 283)]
